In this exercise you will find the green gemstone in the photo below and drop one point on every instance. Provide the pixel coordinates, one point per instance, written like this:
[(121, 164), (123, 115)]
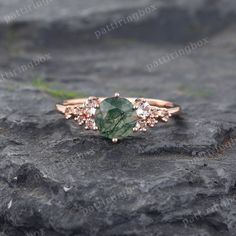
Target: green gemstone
[(115, 118)]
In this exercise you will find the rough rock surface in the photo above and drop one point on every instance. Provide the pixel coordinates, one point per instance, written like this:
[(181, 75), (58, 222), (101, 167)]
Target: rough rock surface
[(177, 179)]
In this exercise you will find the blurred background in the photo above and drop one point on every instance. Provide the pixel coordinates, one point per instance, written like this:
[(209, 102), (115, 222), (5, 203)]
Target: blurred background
[(98, 47)]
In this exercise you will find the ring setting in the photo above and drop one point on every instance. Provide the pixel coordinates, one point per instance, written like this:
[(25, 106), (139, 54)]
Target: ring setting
[(116, 117)]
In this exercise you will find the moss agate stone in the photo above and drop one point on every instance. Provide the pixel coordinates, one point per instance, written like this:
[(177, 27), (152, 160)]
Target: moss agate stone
[(115, 118)]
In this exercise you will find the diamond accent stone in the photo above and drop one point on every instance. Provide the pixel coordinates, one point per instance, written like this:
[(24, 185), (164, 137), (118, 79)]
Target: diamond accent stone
[(143, 108), (90, 124), (71, 111), (141, 125), (148, 115), (161, 114), (84, 114)]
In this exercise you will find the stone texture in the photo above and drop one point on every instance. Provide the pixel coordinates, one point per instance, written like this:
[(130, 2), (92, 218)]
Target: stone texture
[(178, 179)]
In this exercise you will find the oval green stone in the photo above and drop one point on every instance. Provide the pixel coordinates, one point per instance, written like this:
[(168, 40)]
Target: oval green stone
[(115, 118)]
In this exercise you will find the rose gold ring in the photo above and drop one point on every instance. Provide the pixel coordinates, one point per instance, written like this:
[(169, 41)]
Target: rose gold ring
[(115, 117)]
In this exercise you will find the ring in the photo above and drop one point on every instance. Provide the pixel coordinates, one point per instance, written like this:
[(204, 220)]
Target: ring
[(115, 117)]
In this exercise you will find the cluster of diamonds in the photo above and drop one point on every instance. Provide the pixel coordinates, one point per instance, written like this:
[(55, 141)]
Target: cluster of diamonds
[(84, 114), (148, 115)]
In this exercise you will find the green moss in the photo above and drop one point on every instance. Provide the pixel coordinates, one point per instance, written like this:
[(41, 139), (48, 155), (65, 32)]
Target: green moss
[(188, 91), (44, 86), (39, 83)]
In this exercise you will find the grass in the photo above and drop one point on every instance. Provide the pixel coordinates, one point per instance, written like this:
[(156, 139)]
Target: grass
[(40, 84)]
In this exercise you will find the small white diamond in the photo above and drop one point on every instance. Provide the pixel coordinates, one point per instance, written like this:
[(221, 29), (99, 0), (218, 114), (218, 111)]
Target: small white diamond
[(90, 106), (92, 103), (143, 110), (90, 124), (92, 111), (140, 124)]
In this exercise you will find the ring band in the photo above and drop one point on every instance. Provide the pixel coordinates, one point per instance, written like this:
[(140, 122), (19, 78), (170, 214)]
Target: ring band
[(116, 117)]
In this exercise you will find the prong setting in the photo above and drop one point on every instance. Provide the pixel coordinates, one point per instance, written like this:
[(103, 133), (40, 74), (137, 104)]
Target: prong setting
[(117, 95), (95, 128), (135, 129), (114, 140)]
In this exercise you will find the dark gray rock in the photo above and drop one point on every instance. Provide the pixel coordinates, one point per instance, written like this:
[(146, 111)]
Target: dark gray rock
[(177, 179)]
